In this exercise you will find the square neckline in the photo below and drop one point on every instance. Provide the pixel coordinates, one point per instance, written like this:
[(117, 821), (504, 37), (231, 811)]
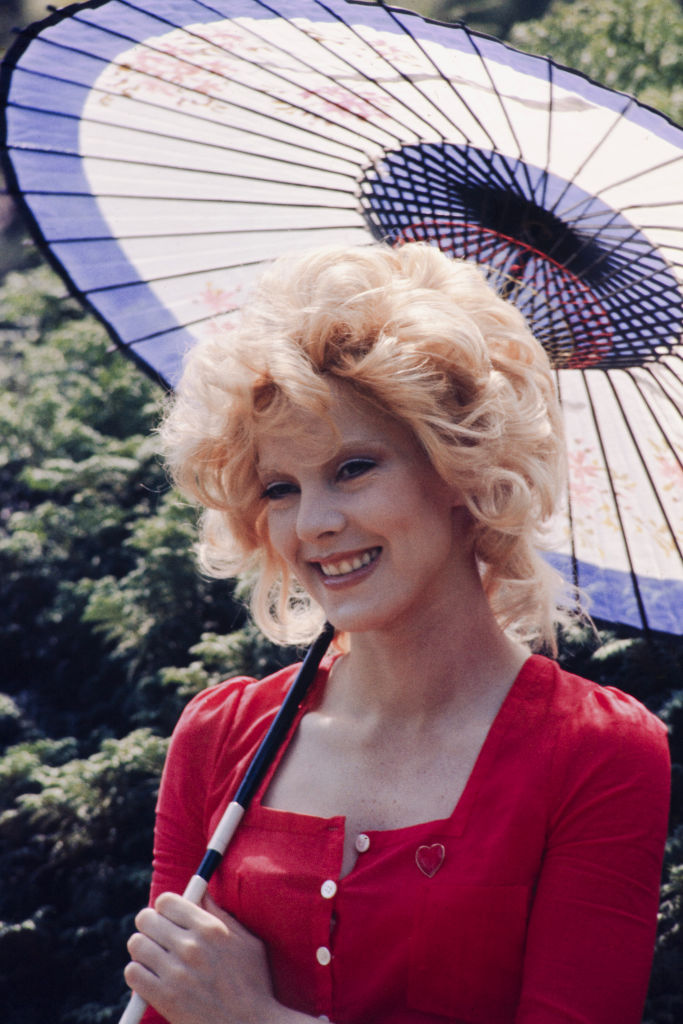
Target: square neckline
[(453, 824)]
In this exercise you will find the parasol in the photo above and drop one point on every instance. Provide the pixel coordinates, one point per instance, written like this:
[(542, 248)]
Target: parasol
[(165, 151)]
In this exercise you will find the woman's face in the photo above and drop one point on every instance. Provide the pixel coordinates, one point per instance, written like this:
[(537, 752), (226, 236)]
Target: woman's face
[(360, 515)]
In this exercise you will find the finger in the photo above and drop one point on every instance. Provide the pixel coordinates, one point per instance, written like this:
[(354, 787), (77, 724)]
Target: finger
[(146, 952), (160, 941), (210, 905), (153, 925), (142, 980), (178, 910), (139, 978), (188, 923), (231, 923)]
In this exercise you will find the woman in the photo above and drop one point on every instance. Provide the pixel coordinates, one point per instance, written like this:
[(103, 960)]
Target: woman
[(455, 829)]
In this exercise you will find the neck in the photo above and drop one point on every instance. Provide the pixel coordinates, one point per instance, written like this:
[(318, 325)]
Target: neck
[(448, 658)]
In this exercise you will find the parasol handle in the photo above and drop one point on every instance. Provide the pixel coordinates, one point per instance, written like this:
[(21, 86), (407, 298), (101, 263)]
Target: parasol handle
[(232, 816)]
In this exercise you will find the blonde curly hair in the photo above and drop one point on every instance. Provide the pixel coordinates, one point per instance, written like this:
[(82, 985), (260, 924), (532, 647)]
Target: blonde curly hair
[(424, 338)]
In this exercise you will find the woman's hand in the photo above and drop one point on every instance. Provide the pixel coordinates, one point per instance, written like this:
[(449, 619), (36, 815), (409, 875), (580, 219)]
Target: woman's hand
[(197, 964)]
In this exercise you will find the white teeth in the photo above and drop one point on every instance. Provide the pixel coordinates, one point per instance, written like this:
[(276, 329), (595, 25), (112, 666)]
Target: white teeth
[(349, 564)]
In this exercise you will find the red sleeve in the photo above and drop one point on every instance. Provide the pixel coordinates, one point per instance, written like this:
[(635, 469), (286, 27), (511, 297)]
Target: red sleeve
[(187, 791), (211, 747), (592, 927)]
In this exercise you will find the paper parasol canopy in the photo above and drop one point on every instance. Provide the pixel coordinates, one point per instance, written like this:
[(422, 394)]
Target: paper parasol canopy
[(166, 151)]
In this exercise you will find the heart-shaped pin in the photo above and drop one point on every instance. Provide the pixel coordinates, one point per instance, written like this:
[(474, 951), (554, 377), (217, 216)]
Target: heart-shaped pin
[(430, 858)]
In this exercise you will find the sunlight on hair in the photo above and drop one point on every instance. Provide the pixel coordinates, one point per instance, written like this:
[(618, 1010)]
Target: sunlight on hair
[(420, 336)]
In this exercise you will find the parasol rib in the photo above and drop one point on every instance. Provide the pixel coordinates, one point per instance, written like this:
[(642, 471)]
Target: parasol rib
[(627, 550), (644, 465)]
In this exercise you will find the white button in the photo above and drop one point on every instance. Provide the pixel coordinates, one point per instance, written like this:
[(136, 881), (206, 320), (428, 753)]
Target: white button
[(362, 843), (328, 889), (323, 1016), (323, 956)]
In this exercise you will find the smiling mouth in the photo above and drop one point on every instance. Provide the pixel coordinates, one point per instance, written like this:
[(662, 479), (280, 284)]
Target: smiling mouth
[(349, 565)]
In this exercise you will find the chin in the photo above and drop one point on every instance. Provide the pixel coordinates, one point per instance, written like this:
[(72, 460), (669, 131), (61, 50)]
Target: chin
[(368, 620)]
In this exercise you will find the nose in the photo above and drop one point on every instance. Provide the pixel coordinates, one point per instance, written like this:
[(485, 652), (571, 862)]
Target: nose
[(319, 514)]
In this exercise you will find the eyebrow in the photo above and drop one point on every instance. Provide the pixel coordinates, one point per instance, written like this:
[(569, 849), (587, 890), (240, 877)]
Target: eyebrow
[(349, 447)]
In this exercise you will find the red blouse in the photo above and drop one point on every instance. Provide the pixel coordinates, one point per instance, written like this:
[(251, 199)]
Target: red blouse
[(535, 902)]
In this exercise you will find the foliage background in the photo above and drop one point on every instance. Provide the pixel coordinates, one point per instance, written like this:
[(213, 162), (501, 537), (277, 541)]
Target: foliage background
[(106, 628)]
